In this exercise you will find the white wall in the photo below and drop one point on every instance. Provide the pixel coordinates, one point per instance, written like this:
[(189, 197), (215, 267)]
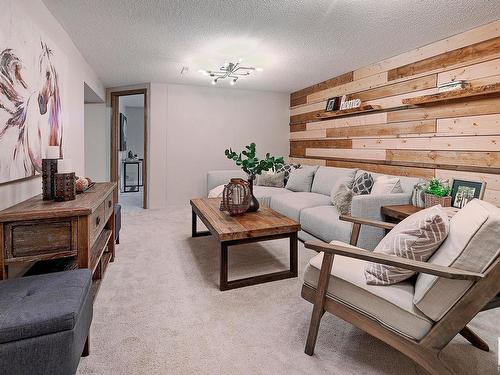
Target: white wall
[(97, 142), (78, 72), (203, 121)]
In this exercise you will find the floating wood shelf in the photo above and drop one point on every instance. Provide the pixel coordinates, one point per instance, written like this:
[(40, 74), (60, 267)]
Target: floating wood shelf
[(352, 111), (454, 95)]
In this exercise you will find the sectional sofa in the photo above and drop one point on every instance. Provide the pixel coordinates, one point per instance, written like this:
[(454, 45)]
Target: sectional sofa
[(314, 210)]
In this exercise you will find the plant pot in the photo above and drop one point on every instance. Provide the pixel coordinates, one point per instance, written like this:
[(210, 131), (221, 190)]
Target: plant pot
[(433, 200), (254, 203)]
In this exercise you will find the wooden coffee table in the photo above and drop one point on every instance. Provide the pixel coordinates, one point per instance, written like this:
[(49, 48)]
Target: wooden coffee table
[(263, 225)]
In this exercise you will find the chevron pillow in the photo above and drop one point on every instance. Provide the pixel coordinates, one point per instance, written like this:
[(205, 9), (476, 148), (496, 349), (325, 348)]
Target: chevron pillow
[(416, 237)]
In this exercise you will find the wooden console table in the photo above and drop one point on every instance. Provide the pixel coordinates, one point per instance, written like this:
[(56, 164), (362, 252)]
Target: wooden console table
[(82, 229)]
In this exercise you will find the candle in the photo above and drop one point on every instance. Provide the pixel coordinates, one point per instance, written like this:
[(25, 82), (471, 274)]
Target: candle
[(52, 152), (64, 166)]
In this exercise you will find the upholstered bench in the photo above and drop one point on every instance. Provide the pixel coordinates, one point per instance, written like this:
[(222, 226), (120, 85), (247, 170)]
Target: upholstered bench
[(44, 322)]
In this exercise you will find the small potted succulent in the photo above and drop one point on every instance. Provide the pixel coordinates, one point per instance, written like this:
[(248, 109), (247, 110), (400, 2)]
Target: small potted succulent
[(438, 192), (253, 166)]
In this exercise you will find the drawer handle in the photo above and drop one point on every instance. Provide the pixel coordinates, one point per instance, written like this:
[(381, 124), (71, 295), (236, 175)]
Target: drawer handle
[(97, 221), (109, 204)]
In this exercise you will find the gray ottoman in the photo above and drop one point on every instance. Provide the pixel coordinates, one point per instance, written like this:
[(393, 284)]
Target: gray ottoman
[(44, 322)]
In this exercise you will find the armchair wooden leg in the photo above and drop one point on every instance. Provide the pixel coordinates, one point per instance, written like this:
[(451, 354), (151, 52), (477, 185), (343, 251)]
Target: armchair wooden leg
[(474, 339), (319, 303), (86, 348)]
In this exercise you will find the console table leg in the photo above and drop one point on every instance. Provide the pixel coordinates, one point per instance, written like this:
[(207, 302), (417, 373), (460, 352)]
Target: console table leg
[(294, 254), (223, 284)]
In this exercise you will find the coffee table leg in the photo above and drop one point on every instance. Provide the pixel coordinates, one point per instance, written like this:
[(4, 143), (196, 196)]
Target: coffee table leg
[(194, 230), (223, 285), (294, 254)]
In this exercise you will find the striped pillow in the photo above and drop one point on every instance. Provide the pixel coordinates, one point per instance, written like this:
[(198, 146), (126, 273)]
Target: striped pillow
[(416, 237)]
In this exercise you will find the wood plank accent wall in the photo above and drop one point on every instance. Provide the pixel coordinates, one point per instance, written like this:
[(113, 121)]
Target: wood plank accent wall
[(453, 139)]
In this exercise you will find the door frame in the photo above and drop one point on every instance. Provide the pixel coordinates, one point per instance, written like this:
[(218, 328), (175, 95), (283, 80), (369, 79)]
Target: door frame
[(115, 131)]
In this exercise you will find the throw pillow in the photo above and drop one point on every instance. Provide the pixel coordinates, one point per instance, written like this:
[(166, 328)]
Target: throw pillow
[(363, 184), (216, 192), (386, 185), (341, 195), (287, 168), (301, 179), (416, 237), (272, 179)]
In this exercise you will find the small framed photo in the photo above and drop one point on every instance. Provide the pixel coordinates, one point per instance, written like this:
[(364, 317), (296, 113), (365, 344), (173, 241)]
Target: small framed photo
[(462, 192), (331, 104)]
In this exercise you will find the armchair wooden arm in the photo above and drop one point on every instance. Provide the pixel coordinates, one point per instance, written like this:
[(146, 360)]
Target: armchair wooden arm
[(370, 222), (410, 264), (358, 221)]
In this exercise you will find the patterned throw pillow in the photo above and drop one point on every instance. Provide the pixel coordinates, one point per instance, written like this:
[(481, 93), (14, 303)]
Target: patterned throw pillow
[(363, 184), (287, 168), (386, 185), (271, 179), (416, 237), (341, 195)]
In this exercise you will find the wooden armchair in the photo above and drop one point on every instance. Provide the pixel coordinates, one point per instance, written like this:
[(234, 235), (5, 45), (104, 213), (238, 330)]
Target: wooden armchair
[(342, 291)]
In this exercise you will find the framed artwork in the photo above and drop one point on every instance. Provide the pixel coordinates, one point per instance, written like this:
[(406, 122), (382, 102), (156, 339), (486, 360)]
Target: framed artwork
[(123, 132), (32, 72), (331, 104), (462, 192)]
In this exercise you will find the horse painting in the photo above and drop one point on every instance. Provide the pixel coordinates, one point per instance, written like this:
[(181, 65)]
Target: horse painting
[(30, 114)]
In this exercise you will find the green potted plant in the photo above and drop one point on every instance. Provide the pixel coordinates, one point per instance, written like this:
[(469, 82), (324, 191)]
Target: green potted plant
[(438, 192), (253, 166)]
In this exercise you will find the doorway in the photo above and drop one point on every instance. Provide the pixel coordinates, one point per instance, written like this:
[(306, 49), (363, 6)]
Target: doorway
[(129, 139)]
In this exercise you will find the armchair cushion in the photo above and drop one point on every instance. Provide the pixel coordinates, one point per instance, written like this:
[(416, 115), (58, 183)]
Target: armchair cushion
[(472, 245), (392, 306), (416, 237)]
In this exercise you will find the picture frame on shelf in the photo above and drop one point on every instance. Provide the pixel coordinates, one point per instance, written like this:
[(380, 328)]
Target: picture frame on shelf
[(332, 104), (463, 191)]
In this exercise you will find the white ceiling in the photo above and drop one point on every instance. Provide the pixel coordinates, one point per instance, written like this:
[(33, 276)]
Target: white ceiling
[(297, 43)]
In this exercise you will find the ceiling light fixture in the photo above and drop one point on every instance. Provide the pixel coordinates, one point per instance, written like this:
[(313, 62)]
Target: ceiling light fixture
[(230, 70)]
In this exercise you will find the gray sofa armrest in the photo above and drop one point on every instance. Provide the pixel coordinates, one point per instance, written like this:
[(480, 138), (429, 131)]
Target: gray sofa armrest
[(369, 207), (216, 178)]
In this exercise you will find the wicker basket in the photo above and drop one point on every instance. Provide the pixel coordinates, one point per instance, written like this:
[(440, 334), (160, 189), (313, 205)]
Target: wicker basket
[(432, 200), (236, 197)]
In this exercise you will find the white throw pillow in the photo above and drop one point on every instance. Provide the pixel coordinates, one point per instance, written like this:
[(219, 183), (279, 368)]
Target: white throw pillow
[(216, 192), (416, 237), (386, 185)]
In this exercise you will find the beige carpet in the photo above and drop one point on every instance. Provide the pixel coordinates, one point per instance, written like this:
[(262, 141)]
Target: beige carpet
[(160, 311)]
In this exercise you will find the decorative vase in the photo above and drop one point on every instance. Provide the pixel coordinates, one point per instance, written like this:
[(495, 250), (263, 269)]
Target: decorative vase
[(65, 189), (254, 203), (49, 169), (236, 197)]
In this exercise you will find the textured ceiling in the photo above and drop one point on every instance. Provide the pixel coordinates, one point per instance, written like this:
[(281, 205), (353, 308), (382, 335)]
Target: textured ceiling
[(297, 43)]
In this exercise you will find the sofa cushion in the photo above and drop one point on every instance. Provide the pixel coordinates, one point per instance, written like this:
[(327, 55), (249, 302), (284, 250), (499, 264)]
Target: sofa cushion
[(301, 179), (326, 177), (416, 237), (323, 222), (40, 305), (292, 204), (391, 306), (472, 245)]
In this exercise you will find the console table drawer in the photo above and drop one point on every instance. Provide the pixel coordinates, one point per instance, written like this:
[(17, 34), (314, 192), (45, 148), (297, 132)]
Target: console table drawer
[(97, 221), (109, 206), (40, 239)]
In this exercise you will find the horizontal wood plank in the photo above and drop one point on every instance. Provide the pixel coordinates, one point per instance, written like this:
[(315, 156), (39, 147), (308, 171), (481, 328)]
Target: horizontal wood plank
[(369, 119), (346, 153), (332, 82), (465, 143), (470, 125), (384, 169), (443, 60), (472, 72), (447, 159), (304, 161), (424, 126)]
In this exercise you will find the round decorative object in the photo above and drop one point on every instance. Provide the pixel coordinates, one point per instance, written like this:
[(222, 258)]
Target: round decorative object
[(236, 197), (81, 184)]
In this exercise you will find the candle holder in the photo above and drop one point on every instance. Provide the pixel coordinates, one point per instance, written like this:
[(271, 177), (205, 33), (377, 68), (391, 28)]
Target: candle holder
[(49, 169), (65, 187)]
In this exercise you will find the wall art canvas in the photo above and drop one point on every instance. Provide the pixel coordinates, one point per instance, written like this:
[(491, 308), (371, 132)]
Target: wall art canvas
[(31, 100)]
